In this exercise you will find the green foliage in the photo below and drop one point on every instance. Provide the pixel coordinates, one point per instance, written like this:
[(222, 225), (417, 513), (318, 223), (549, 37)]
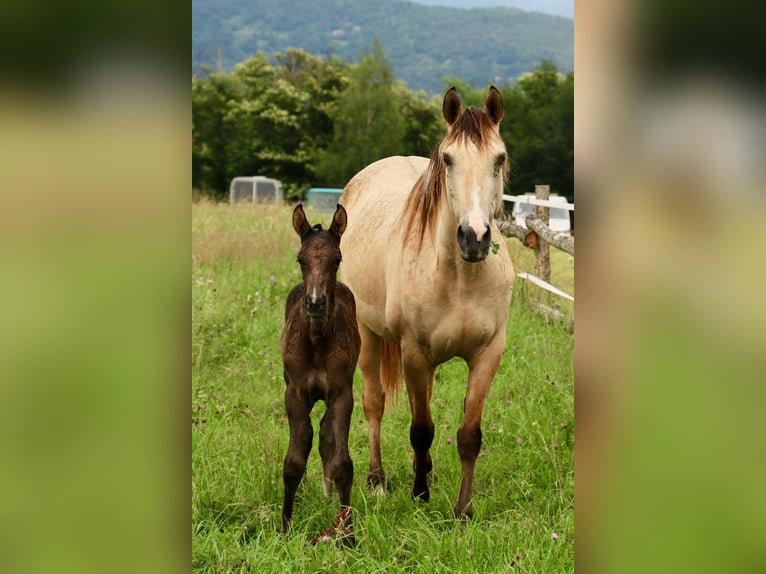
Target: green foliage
[(368, 122), (309, 120), (243, 266), (538, 128)]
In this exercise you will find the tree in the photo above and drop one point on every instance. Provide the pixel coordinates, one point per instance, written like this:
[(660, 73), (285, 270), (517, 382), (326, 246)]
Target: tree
[(367, 121), (538, 128), (210, 104)]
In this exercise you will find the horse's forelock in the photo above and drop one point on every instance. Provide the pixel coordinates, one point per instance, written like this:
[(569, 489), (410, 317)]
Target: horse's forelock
[(474, 126)]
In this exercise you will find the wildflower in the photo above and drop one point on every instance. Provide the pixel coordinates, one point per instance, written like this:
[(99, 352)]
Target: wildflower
[(324, 562), (555, 446), (325, 538), (517, 556), (470, 553), (449, 440), (245, 528), (519, 440), (508, 401), (554, 536), (482, 453), (273, 278), (562, 426)]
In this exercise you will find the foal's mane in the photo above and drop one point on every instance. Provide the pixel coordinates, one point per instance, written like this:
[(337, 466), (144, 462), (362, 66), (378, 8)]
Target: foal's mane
[(473, 126)]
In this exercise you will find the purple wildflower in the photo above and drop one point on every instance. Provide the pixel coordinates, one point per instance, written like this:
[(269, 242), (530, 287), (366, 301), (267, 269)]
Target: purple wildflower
[(449, 440), (519, 440), (554, 536)]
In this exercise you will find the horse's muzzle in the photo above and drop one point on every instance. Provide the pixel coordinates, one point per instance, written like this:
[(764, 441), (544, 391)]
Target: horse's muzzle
[(315, 309), (473, 249)]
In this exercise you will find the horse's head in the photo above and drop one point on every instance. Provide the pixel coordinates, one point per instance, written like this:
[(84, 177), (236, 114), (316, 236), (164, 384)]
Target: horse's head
[(474, 162), (319, 258)]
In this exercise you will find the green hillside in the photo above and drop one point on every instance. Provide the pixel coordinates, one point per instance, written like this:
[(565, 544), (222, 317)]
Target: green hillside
[(423, 43)]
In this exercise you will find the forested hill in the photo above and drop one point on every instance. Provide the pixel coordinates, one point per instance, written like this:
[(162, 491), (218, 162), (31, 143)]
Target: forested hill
[(423, 43)]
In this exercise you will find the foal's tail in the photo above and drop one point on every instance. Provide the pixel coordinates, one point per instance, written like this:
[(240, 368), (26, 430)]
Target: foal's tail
[(390, 369)]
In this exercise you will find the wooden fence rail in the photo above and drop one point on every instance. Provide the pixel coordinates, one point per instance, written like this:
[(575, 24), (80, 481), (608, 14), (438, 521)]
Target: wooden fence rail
[(538, 236)]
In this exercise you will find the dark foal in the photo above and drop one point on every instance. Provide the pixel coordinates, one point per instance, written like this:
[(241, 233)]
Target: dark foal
[(320, 347)]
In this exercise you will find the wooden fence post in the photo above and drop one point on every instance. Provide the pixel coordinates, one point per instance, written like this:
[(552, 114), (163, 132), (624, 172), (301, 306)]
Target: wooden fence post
[(543, 250)]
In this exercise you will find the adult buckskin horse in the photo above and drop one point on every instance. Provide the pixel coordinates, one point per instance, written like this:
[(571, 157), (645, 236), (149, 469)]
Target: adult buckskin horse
[(429, 281)]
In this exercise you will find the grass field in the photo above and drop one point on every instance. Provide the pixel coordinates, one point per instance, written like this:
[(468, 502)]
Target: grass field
[(243, 265)]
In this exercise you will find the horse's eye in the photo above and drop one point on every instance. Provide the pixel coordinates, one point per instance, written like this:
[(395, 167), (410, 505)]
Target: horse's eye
[(301, 262), (500, 160), (447, 159), (337, 261)]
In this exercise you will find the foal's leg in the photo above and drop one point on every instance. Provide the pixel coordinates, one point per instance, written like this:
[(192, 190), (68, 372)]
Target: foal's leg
[(419, 376), (301, 434), (481, 370), (374, 398), (337, 466), (333, 443)]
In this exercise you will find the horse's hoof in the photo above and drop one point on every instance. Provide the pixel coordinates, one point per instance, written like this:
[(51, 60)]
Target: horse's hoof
[(376, 482), (463, 515)]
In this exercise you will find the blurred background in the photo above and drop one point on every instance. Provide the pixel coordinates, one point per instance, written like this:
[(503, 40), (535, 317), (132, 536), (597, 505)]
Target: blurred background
[(94, 261), (670, 135)]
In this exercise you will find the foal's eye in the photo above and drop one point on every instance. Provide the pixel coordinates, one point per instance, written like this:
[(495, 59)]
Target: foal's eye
[(300, 261), (337, 261), (447, 159), (500, 160)]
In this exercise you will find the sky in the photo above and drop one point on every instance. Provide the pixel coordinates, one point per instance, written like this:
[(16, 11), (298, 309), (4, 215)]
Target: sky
[(563, 8)]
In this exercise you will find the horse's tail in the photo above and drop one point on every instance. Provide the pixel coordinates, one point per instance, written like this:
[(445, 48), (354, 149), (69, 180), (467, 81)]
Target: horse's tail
[(390, 369)]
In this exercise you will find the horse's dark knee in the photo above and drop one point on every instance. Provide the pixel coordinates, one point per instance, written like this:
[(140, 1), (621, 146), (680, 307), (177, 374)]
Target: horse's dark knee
[(469, 442), (421, 437)]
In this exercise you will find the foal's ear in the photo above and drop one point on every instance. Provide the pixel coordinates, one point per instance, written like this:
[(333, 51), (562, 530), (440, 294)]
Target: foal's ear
[(300, 223), (493, 105), (451, 106), (339, 220)]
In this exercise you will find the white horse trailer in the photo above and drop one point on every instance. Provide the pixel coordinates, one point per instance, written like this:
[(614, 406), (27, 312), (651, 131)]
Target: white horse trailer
[(255, 189)]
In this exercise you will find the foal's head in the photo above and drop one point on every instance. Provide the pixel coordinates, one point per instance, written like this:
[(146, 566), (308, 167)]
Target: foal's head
[(319, 258)]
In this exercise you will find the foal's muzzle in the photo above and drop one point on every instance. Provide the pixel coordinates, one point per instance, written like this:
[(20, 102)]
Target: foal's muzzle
[(471, 248), (315, 309)]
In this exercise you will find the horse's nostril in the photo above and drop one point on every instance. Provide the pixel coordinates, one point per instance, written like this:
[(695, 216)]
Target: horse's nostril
[(315, 306)]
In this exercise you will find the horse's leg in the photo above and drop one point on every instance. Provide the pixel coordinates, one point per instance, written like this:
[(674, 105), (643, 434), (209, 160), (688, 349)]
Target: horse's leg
[(418, 375), (374, 398), (336, 461), (481, 370), (301, 434)]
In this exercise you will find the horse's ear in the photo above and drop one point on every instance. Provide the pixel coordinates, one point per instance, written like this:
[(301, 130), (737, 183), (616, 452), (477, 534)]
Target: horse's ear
[(451, 106), (300, 223), (493, 105), (339, 220)]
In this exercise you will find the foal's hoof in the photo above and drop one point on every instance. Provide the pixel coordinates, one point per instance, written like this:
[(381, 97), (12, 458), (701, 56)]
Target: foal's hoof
[(342, 529)]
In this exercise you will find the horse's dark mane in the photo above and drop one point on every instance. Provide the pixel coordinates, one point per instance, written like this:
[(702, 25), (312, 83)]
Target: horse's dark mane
[(472, 125)]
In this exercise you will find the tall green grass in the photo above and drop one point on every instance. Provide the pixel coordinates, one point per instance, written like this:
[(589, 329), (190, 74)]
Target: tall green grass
[(243, 266)]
